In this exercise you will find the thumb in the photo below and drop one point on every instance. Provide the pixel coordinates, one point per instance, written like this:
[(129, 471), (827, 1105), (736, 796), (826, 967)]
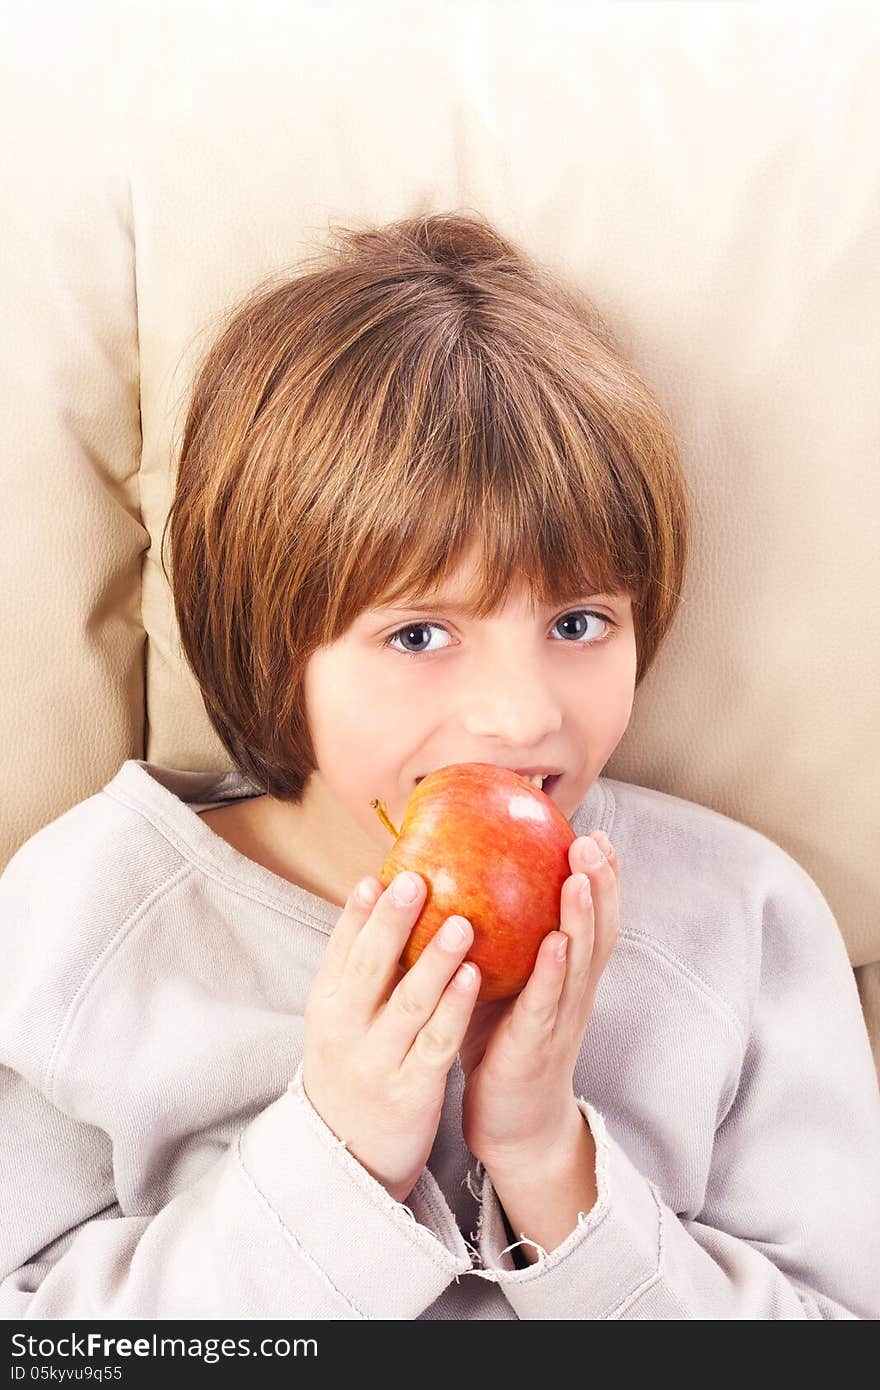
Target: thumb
[(484, 1021)]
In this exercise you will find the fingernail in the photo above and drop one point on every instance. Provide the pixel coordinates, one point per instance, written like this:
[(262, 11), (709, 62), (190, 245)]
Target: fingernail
[(561, 948), (464, 976), (591, 854), (452, 933), (405, 889), (366, 892)]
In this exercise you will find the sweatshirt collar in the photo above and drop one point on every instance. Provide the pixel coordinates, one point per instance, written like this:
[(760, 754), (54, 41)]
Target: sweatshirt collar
[(172, 797)]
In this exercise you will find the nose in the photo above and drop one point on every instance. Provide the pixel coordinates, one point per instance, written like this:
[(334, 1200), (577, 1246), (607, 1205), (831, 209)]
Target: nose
[(512, 703)]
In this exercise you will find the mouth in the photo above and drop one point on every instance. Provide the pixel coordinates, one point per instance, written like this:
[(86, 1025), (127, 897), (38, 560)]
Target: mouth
[(545, 784)]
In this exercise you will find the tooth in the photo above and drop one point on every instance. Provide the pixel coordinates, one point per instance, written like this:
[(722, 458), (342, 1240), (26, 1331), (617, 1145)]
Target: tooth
[(537, 781)]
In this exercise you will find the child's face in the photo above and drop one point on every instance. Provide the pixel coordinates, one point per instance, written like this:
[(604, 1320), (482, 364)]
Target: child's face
[(517, 689)]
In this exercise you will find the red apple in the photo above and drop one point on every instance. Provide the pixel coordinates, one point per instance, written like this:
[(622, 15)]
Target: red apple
[(493, 848)]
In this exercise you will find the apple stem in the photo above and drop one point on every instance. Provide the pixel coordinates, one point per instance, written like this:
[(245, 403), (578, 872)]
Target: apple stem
[(379, 808)]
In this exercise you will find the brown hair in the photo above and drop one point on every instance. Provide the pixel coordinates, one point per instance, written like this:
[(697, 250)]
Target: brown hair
[(354, 428)]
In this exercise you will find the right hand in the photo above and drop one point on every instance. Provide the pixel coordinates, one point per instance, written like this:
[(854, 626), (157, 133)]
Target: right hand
[(375, 1063)]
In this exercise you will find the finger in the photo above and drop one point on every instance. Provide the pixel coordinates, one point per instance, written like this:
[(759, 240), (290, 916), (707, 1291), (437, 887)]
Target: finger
[(609, 851), (605, 892), (373, 963), (438, 1041), (533, 1018), (576, 852), (418, 994), (483, 1022), (358, 906), (577, 920)]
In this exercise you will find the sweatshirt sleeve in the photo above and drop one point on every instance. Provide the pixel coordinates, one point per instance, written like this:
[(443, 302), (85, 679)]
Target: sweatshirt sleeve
[(790, 1225), (285, 1224)]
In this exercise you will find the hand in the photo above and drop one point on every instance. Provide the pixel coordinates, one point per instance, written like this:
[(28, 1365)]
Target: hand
[(380, 1040), (518, 1055)]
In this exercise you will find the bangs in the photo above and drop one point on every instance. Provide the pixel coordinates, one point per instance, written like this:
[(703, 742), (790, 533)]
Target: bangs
[(537, 489)]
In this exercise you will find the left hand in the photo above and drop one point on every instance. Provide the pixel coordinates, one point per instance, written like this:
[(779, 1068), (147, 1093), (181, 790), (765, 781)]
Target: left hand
[(518, 1055)]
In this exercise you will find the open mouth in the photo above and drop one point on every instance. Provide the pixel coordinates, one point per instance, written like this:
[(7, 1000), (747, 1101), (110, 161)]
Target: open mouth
[(547, 784)]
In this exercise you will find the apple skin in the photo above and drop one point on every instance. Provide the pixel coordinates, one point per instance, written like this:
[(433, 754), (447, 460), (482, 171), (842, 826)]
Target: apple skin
[(493, 848)]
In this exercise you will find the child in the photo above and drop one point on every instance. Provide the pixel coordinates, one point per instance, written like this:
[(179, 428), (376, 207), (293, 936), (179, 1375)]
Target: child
[(424, 514)]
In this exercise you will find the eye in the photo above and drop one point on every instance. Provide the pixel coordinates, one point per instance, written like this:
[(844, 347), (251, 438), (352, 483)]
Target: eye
[(407, 631), (577, 616)]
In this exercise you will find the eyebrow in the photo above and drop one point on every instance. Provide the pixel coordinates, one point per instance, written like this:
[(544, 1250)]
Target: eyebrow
[(466, 610)]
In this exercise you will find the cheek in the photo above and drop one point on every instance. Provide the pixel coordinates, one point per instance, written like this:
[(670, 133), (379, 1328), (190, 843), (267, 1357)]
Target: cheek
[(360, 719), (605, 715), (624, 696), (352, 701)]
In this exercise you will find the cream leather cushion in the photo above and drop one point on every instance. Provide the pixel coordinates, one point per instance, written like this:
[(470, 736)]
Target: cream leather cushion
[(707, 173)]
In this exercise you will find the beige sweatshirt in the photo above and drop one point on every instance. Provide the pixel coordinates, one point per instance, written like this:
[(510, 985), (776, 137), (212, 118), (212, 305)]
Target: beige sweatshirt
[(159, 1158)]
